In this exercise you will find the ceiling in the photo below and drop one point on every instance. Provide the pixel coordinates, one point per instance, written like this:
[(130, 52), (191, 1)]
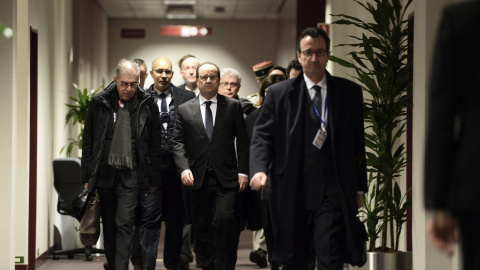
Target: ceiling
[(199, 9)]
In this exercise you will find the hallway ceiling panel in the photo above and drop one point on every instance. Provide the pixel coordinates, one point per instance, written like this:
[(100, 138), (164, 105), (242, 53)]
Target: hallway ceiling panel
[(201, 9)]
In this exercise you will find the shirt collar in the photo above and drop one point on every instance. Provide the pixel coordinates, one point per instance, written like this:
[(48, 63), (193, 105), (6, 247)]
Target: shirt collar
[(202, 99), (322, 83), (167, 92)]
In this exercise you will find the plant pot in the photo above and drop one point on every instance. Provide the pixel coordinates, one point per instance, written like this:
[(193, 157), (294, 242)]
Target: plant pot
[(387, 261)]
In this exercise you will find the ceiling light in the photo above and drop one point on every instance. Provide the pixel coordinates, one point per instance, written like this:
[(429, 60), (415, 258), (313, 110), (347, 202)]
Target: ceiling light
[(180, 2)]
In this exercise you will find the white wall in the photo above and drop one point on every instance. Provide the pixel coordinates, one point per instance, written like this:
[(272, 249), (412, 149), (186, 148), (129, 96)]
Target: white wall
[(235, 44), (7, 140)]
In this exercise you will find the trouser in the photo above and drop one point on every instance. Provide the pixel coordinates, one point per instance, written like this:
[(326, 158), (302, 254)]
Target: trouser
[(118, 205), (213, 203), (320, 229), (469, 224), (165, 204)]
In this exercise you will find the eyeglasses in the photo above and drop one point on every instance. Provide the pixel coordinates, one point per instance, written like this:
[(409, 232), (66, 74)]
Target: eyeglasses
[(318, 53), (161, 71), (212, 77), (233, 84), (127, 84)]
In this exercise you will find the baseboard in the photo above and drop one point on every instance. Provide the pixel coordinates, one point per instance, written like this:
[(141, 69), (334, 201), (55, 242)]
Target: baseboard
[(43, 258)]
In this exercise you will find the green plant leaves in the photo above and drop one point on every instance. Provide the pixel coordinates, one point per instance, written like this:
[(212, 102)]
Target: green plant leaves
[(77, 113), (379, 59)]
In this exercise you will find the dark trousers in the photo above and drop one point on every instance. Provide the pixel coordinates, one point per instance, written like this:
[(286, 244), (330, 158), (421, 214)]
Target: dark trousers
[(118, 214), (214, 224), (165, 204), (469, 224), (320, 229)]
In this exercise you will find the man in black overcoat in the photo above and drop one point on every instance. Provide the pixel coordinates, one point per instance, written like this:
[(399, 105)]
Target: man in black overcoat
[(311, 131)]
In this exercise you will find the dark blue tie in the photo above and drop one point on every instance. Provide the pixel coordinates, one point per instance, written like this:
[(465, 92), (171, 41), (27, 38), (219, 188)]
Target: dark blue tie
[(208, 119), (317, 98), (163, 108)]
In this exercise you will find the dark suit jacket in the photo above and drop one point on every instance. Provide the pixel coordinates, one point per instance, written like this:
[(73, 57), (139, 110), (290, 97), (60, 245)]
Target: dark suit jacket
[(452, 158), (278, 137), (192, 148), (180, 95)]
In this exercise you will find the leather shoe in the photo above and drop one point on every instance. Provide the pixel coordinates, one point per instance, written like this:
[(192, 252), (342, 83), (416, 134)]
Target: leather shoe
[(259, 257)]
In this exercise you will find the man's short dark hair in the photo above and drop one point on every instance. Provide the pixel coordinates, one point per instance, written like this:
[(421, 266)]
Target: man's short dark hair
[(282, 69), (209, 63), (294, 64), (314, 32), (183, 59)]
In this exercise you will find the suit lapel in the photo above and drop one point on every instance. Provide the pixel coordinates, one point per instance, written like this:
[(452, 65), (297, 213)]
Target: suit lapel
[(297, 97), (197, 116), (220, 115), (334, 103)]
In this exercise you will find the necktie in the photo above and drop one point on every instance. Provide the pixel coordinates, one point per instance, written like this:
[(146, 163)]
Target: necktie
[(208, 119), (317, 98), (163, 108)]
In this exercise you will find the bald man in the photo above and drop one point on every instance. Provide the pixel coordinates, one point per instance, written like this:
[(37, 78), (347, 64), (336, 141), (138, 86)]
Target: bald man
[(166, 203)]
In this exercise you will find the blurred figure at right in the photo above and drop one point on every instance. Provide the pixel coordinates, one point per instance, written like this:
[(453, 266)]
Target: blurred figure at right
[(263, 194), (452, 171)]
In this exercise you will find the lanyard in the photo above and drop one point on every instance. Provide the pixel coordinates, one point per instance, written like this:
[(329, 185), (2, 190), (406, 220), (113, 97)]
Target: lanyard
[(324, 112)]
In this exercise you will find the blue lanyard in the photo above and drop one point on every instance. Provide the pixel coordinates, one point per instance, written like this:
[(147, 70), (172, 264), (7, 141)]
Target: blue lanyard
[(324, 111)]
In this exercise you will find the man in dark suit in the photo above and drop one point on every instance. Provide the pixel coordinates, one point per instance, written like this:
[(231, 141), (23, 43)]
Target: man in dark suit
[(311, 131), (452, 171), (206, 130), (166, 203)]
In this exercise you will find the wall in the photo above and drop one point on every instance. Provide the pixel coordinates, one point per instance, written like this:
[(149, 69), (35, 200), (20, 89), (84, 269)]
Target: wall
[(287, 34), (236, 44), (7, 140)]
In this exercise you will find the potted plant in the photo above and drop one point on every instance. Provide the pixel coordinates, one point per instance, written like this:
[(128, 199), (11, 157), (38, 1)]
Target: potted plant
[(77, 113), (381, 67)]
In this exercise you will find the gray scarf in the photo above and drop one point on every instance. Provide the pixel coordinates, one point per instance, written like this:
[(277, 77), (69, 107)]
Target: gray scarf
[(120, 155)]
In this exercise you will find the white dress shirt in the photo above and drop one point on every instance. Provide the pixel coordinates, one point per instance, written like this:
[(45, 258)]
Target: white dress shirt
[(213, 107), (323, 84)]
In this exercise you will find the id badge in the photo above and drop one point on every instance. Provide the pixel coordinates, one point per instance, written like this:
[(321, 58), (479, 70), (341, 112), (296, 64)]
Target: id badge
[(320, 138)]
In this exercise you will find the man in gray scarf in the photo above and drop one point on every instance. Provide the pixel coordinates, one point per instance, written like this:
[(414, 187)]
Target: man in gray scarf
[(121, 156)]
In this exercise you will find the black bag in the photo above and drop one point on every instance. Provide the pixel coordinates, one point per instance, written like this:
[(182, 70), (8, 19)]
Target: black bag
[(90, 224)]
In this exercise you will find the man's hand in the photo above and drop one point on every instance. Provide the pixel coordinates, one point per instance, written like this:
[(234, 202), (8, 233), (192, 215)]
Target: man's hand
[(359, 200), (441, 232), (242, 183), (258, 180), (86, 185), (187, 178)]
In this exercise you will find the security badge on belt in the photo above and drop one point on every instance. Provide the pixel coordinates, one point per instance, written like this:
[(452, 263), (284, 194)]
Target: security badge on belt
[(320, 137)]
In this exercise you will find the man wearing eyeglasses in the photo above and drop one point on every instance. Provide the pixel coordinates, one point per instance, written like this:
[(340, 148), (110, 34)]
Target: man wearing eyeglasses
[(310, 131), (166, 202), (230, 83), (207, 129), (121, 156)]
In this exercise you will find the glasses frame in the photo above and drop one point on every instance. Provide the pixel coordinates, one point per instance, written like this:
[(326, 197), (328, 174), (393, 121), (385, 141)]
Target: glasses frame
[(204, 78), (127, 84), (318, 53)]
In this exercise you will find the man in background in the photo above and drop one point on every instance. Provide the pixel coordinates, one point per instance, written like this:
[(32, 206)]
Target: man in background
[(143, 71), (293, 69), (166, 203), (188, 69)]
